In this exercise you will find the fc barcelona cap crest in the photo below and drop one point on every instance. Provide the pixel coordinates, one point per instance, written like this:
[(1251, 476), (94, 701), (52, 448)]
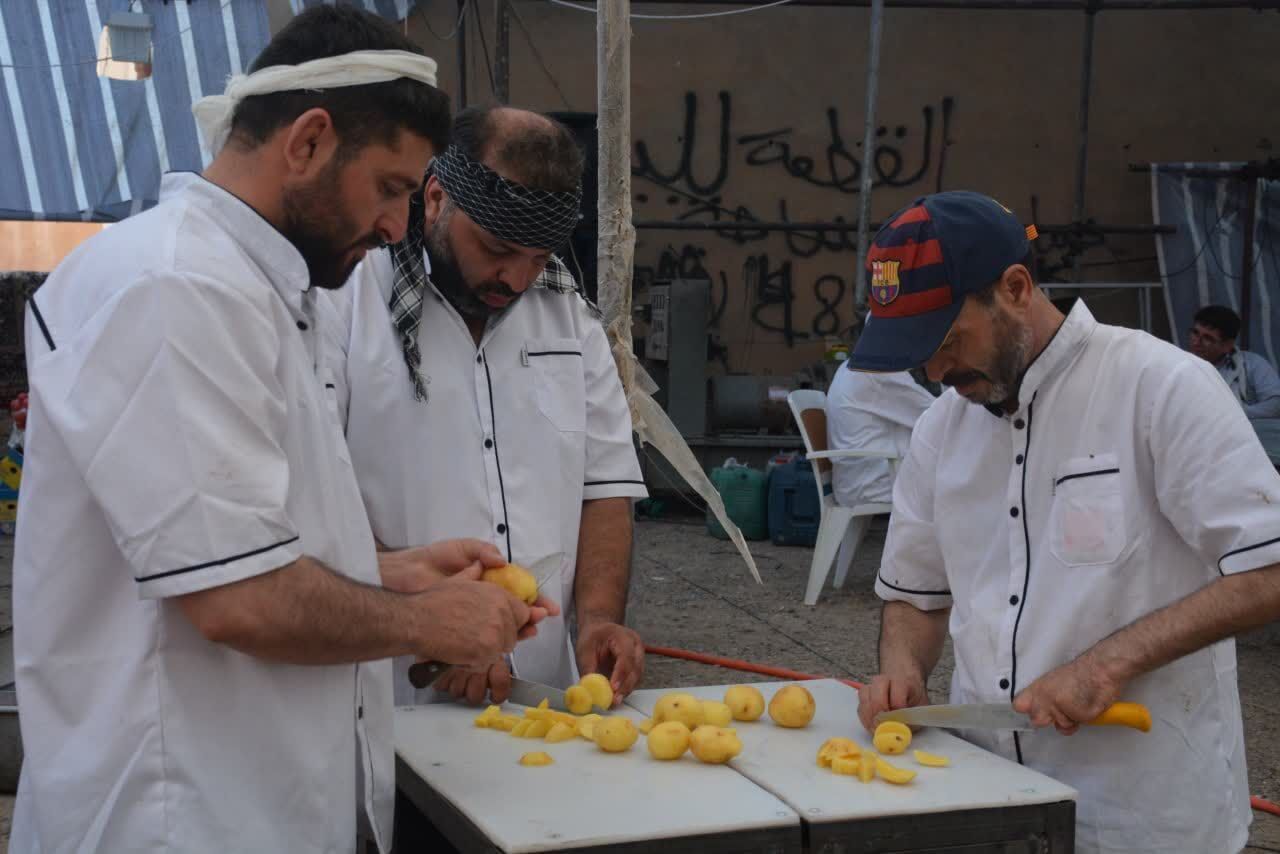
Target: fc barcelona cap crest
[(932, 254)]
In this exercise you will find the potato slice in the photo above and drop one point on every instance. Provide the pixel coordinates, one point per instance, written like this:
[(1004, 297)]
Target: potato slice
[(505, 723), (892, 773), (847, 765), (537, 729), (535, 759), (521, 728), (586, 726), (932, 760), (834, 747), (867, 766), (559, 732)]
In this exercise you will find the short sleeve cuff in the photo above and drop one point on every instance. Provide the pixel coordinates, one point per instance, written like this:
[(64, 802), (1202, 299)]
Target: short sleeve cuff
[(594, 489), (215, 573), (1256, 556), (925, 597)]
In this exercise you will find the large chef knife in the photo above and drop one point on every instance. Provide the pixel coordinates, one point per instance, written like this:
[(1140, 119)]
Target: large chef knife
[(423, 673), (1001, 716), (527, 693)]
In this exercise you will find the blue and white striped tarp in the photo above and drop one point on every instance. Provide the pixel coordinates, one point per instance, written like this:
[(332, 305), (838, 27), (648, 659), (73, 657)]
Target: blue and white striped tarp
[(1201, 262), (76, 146)]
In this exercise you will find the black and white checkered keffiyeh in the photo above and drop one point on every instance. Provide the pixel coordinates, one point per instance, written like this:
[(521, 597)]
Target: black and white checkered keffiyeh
[(543, 219), (410, 282)]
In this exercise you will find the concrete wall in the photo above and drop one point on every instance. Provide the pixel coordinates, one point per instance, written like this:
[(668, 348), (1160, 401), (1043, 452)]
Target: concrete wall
[(763, 113)]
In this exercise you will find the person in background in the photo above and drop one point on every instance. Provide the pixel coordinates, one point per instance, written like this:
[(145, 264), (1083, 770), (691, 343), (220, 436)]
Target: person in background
[(1252, 379), (873, 412)]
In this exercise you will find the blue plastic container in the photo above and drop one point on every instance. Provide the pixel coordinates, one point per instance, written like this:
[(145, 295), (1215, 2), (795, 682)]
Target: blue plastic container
[(794, 510)]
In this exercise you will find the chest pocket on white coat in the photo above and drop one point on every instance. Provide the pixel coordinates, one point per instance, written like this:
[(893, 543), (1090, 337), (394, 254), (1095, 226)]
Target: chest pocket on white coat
[(558, 380), (1086, 524)]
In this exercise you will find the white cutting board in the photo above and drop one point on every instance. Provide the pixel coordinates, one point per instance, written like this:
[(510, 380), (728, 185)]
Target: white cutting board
[(587, 797), (784, 761)]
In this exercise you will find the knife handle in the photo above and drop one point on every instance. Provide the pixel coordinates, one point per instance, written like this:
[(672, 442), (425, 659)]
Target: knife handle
[(423, 673), (1134, 715)]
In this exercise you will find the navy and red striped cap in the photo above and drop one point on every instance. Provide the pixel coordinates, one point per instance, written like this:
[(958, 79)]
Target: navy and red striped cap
[(932, 254)]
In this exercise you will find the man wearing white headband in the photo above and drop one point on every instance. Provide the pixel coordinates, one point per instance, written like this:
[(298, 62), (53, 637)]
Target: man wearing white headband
[(202, 632), (480, 396)]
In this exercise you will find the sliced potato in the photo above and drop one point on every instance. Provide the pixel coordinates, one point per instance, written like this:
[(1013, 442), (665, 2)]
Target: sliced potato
[(847, 765), (834, 747), (559, 732), (932, 760), (521, 728), (597, 685), (867, 766), (539, 758), (586, 726), (537, 729), (892, 738), (892, 773)]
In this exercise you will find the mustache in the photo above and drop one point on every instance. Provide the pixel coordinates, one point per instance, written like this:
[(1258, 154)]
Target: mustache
[(497, 288), (956, 378)]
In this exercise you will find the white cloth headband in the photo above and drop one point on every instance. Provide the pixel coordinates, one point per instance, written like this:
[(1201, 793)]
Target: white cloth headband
[(214, 112)]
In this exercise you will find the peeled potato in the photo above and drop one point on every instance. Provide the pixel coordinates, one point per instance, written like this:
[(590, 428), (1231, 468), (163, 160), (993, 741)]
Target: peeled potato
[(892, 773), (714, 744), (892, 738), (685, 708), (577, 699), (598, 687), (792, 706), (745, 702), (668, 740), (932, 760), (834, 747), (716, 713), (615, 735), (538, 758), (559, 732), (516, 580)]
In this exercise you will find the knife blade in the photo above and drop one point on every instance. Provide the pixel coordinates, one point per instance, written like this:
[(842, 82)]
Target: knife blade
[(526, 693), (1001, 716), (423, 673)]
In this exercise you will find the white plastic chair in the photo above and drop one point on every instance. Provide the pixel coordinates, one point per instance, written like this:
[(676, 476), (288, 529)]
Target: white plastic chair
[(809, 408)]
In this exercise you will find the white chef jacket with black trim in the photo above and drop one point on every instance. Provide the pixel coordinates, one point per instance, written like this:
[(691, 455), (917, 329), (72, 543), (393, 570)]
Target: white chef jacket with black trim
[(178, 440), (514, 435), (1128, 478)]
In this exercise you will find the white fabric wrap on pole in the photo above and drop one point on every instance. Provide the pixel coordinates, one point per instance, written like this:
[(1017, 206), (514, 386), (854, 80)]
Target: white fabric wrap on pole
[(615, 255), (214, 112)]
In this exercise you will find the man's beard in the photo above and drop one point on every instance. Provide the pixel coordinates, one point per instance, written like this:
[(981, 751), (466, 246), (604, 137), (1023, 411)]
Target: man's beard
[(448, 279), (1013, 351), (317, 225)]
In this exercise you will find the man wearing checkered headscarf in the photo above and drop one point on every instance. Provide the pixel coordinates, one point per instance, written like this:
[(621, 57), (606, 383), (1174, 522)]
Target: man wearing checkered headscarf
[(480, 396)]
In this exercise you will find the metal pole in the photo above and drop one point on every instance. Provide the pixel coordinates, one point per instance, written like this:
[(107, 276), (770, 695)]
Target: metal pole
[(1082, 153), (1246, 269), (502, 51), (868, 157), (462, 54)]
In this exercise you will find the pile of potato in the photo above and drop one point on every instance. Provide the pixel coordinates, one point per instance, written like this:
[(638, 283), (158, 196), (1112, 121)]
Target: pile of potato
[(844, 756)]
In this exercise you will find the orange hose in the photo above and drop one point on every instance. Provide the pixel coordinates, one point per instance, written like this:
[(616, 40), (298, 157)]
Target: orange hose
[(737, 664), (1256, 802), (1264, 805)]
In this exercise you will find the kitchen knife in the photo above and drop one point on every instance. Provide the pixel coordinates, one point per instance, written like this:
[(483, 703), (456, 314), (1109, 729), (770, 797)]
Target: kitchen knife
[(1001, 716), (526, 693), (423, 673)]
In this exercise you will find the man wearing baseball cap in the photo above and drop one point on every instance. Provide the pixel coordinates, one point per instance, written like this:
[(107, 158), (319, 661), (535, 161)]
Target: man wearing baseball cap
[(1096, 529)]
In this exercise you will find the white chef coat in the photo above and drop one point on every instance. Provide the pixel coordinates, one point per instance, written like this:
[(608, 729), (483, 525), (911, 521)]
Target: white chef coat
[(870, 412), (512, 438), (179, 439), (1127, 479)]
